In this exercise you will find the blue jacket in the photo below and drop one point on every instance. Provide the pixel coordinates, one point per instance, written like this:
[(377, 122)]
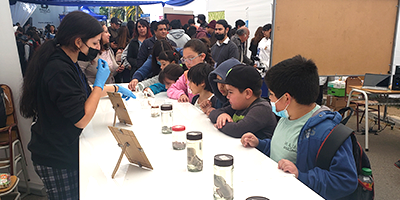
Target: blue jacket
[(144, 71), (157, 88), (341, 179)]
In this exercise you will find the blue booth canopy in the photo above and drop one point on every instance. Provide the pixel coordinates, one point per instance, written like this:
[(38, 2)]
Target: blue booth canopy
[(104, 2), (88, 11)]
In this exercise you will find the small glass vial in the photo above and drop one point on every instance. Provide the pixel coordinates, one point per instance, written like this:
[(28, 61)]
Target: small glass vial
[(155, 111), (178, 137), (166, 118), (139, 87), (223, 177), (194, 151)]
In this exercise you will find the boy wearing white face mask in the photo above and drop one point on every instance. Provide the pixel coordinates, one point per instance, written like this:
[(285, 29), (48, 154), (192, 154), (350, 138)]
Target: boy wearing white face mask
[(303, 127)]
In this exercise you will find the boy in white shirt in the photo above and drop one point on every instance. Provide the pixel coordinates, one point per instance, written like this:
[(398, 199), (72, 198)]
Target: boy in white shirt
[(199, 85)]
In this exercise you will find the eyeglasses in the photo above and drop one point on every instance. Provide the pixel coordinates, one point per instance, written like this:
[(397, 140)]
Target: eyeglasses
[(189, 60)]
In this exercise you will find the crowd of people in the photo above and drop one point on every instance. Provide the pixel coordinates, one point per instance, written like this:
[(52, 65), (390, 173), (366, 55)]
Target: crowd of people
[(204, 64), (29, 39)]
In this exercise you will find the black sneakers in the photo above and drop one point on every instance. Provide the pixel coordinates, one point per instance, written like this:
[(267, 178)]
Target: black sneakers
[(397, 164)]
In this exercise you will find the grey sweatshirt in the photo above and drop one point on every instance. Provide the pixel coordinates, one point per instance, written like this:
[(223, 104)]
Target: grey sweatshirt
[(257, 119), (179, 37)]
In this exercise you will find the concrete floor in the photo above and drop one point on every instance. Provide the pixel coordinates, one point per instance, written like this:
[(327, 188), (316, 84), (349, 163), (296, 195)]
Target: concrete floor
[(384, 151)]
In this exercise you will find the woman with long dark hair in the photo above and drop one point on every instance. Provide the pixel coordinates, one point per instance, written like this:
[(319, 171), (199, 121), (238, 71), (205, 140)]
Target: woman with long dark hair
[(142, 32), (131, 27), (258, 35), (123, 73), (56, 94), (123, 38)]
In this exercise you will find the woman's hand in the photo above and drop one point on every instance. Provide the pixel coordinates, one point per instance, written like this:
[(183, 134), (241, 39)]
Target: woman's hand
[(126, 94), (103, 72), (120, 68)]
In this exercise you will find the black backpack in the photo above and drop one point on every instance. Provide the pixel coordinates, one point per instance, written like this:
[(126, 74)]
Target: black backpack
[(3, 113), (328, 149)]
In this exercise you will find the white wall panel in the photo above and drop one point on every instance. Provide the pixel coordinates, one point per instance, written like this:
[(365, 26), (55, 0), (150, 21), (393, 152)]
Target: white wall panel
[(10, 74)]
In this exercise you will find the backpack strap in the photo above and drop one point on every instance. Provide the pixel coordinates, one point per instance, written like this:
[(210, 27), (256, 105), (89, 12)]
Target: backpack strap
[(331, 144)]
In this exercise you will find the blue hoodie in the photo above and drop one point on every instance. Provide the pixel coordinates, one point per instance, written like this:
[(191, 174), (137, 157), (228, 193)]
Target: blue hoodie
[(341, 179), (221, 71)]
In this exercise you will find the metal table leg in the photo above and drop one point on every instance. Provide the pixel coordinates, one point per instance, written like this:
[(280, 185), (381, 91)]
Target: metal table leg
[(366, 113)]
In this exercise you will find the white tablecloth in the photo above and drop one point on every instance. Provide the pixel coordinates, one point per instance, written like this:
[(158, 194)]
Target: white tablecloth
[(254, 173)]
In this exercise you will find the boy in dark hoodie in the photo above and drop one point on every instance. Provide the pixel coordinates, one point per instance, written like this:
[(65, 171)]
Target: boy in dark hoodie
[(219, 89)]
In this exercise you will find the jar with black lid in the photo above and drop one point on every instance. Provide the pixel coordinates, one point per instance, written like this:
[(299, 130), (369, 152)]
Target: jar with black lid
[(194, 151), (166, 118), (223, 177)]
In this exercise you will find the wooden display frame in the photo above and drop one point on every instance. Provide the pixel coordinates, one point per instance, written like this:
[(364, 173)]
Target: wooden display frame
[(130, 147), (119, 107)]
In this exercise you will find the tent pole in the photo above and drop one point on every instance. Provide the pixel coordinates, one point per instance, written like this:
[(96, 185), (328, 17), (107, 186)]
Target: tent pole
[(136, 13)]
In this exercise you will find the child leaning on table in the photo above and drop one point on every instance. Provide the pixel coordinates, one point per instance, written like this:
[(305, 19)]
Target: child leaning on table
[(166, 78), (218, 89), (247, 111), (294, 86), (164, 59), (199, 85)]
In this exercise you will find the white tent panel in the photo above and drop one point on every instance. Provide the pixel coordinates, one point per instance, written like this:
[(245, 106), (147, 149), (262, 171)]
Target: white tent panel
[(20, 12), (257, 12), (197, 6)]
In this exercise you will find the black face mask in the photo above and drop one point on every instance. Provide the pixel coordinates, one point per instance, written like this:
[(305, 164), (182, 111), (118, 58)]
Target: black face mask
[(92, 54), (220, 36)]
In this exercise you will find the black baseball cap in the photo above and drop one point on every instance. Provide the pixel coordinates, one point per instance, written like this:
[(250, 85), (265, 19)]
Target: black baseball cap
[(115, 20), (242, 77), (201, 17)]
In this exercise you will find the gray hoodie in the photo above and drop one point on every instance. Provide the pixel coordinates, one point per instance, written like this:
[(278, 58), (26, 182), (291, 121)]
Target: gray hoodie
[(178, 36)]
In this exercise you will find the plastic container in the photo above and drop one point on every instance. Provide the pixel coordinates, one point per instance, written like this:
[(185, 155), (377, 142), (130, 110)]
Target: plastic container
[(194, 145), (155, 111), (166, 118), (366, 183), (223, 177), (178, 137)]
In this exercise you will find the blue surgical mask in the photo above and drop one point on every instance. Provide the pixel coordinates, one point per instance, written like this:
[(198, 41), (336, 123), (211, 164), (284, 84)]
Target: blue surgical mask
[(158, 63), (283, 113)]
